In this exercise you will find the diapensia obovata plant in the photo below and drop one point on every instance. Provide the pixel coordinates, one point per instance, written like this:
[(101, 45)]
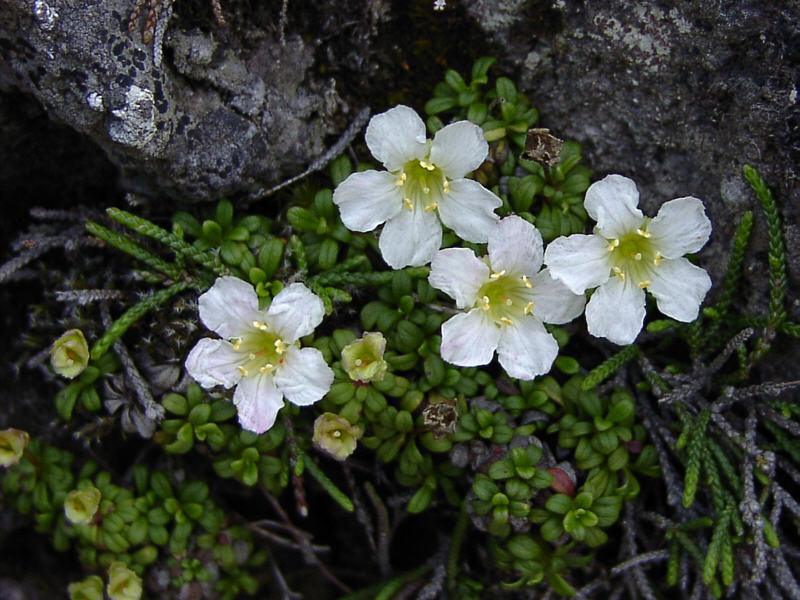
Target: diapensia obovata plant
[(445, 328)]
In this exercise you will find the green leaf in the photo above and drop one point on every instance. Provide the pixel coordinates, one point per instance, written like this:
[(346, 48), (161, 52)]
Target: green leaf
[(420, 500), (455, 81), (340, 169), (176, 404), (434, 106), (506, 89), (559, 503), (480, 70)]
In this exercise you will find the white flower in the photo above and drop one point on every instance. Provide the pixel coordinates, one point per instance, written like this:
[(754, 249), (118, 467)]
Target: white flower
[(439, 5), (260, 354), (629, 253), (508, 298), (423, 179)]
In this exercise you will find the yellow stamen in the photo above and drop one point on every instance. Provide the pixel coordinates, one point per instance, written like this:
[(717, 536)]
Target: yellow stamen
[(280, 346), (408, 203), (509, 302), (426, 190), (497, 275), (426, 165), (528, 308), (242, 371), (236, 343), (644, 283), (401, 180), (485, 303), (431, 207), (359, 362), (618, 272), (612, 245), (260, 325), (446, 186), (643, 233), (267, 368), (506, 321), (251, 356), (526, 281), (657, 259), (637, 256), (337, 434)]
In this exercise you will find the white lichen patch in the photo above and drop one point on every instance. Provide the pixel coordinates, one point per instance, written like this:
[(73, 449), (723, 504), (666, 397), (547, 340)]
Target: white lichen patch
[(95, 101), (135, 122), (45, 15)]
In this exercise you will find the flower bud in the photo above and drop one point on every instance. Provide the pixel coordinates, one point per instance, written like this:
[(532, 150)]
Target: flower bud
[(363, 359), (12, 445), (335, 435), (80, 506), (123, 584), (70, 354), (90, 588)]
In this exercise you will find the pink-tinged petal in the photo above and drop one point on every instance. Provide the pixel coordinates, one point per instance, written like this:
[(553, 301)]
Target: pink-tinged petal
[(229, 307), (396, 137), (680, 227), (459, 274), (553, 302), (257, 401), (411, 238), (214, 362), (515, 246), (679, 288), (579, 261), (304, 377), (616, 311), (613, 202), (526, 349), (367, 199), (459, 148), (295, 312), (468, 209), (469, 339)]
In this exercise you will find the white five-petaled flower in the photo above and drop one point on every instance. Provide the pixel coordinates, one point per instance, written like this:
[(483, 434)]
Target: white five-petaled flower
[(423, 183), (508, 298), (260, 353), (630, 253)]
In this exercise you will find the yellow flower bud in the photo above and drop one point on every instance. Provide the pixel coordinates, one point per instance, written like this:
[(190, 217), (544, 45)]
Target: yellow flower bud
[(363, 359), (335, 435), (90, 588), (123, 584), (12, 446), (70, 354), (80, 506)]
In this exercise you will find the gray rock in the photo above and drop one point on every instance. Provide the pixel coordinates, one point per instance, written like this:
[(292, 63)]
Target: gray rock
[(219, 116), (677, 96)]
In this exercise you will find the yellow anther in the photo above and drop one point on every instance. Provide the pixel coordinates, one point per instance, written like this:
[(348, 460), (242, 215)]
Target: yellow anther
[(401, 180), (612, 245), (266, 368), (644, 283), (426, 190), (359, 362), (337, 434), (446, 186), (260, 325), (431, 207), (506, 321), (242, 371), (657, 259), (485, 303), (619, 273), (251, 356), (497, 275), (637, 256), (643, 233), (236, 343), (280, 346), (509, 302), (528, 308), (526, 281), (426, 165), (408, 203)]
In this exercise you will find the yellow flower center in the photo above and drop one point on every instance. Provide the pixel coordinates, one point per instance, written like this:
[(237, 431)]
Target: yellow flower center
[(264, 350), (423, 185), (633, 257), (505, 298)]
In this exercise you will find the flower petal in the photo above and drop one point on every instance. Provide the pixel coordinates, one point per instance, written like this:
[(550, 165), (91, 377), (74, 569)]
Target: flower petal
[(367, 199), (526, 349), (616, 311), (304, 377), (680, 227), (459, 274), (580, 261), (229, 307), (295, 311), (468, 209), (515, 246), (257, 401), (410, 238), (459, 148), (214, 362), (612, 202), (679, 288), (396, 137), (553, 302), (469, 339)]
